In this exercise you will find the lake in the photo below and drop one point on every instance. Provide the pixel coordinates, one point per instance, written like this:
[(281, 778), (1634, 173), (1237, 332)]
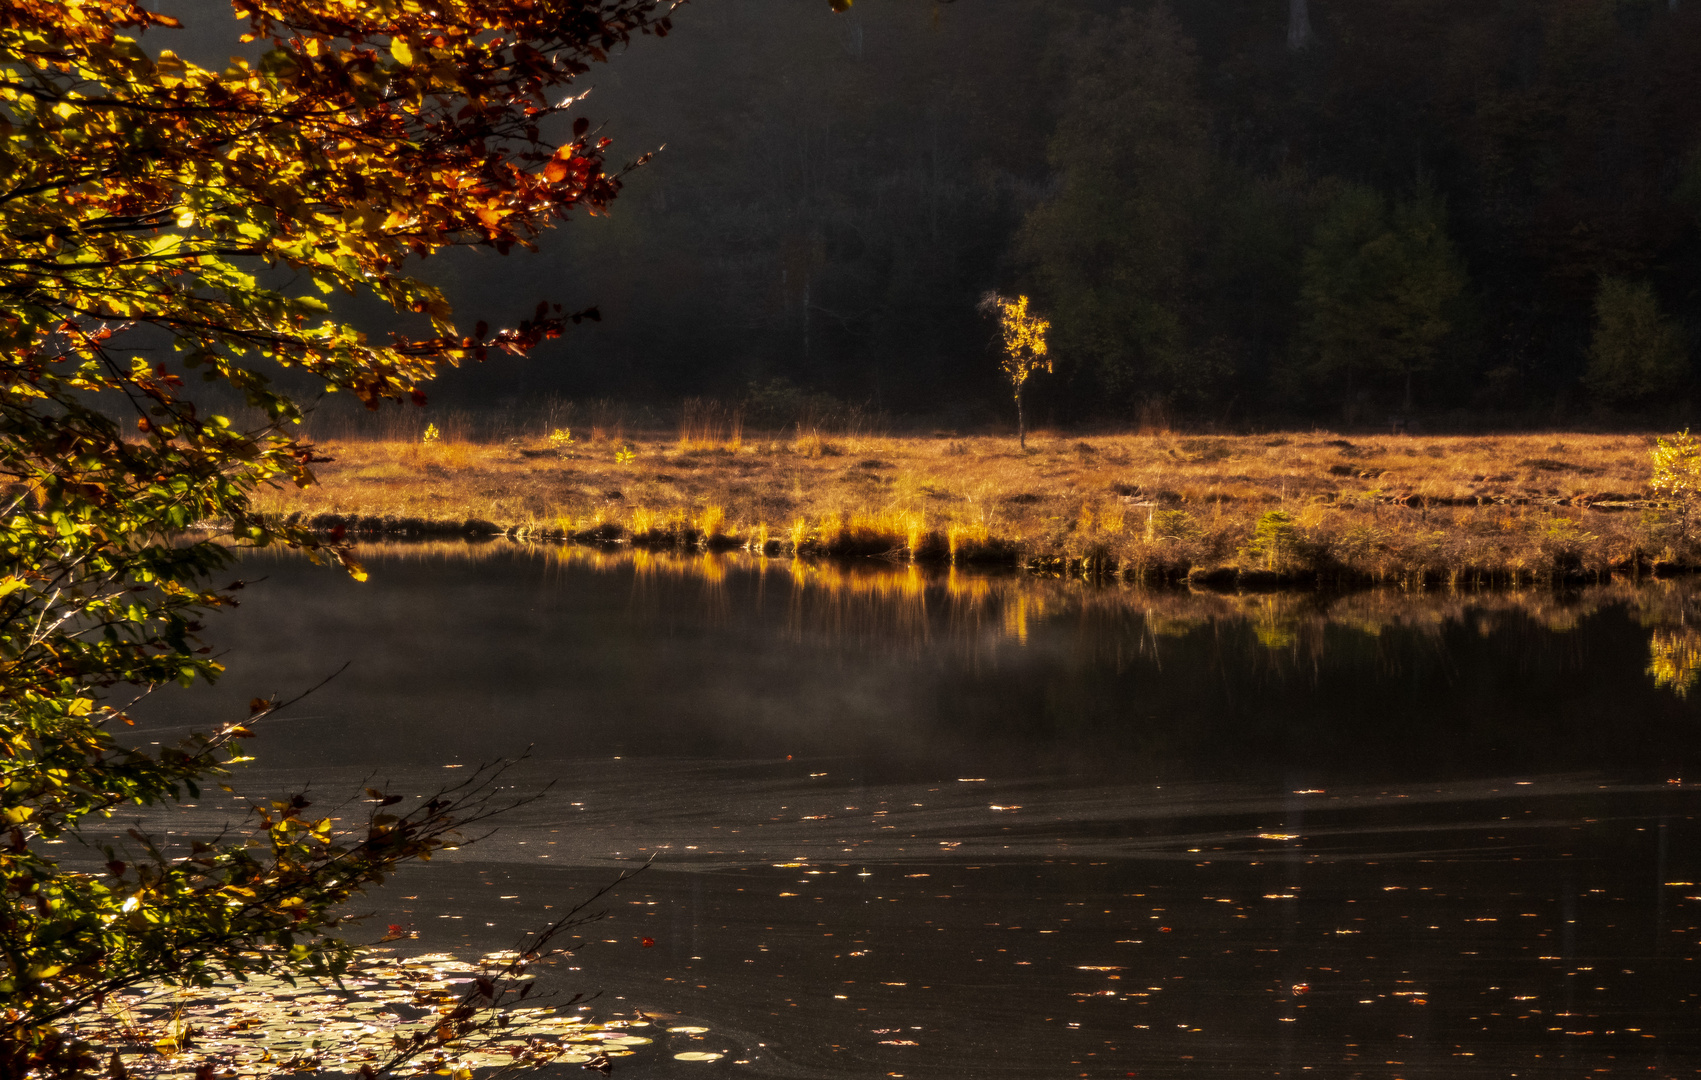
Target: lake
[(922, 824)]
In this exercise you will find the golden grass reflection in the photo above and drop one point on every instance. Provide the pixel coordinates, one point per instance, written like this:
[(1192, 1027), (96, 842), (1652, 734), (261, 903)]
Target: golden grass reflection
[(1674, 660), (887, 604)]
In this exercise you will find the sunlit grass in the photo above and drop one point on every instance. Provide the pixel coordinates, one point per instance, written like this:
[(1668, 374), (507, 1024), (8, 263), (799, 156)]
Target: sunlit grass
[(1394, 508), (707, 426)]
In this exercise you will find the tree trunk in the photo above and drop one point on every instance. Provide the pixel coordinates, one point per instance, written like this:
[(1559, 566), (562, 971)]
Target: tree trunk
[(1299, 25), (1021, 427)]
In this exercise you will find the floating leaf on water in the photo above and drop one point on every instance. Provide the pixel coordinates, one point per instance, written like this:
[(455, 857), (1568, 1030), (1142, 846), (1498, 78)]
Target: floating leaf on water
[(264, 1025), (685, 1030), (697, 1055)]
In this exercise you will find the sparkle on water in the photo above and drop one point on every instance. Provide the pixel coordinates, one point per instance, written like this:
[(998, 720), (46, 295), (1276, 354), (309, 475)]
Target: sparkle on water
[(267, 1025)]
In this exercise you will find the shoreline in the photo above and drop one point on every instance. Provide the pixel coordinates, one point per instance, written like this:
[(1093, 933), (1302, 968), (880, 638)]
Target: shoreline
[(994, 556), (1302, 510)]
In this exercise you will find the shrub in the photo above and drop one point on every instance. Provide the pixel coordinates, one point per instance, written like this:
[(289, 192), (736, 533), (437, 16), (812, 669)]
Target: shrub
[(1275, 540), (1171, 525), (1677, 468)]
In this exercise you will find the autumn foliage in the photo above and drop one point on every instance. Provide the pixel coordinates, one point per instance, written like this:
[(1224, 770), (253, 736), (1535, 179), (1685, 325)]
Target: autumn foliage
[(1025, 350), (163, 226)]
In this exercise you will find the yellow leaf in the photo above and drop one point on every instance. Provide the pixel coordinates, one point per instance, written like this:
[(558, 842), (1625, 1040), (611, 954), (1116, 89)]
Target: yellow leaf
[(11, 584), (399, 49)]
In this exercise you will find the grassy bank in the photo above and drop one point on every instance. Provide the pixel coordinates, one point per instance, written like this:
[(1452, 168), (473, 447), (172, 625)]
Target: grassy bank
[(1247, 511)]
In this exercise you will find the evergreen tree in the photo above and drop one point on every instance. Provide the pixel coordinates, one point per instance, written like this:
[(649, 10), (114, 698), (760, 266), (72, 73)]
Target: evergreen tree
[(1381, 283), (1637, 354), (1115, 250)]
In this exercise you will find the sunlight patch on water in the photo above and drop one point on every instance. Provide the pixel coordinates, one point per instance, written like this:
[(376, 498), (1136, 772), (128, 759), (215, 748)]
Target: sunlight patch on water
[(268, 1025)]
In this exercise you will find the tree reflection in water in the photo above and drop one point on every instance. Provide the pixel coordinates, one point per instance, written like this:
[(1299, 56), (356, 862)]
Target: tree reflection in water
[(871, 600)]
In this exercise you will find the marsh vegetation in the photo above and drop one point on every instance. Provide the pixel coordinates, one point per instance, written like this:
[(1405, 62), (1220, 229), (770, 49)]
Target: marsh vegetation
[(1251, 510)]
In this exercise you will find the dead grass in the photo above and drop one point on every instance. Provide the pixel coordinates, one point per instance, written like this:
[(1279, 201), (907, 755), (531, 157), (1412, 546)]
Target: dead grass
[(1225, 510)]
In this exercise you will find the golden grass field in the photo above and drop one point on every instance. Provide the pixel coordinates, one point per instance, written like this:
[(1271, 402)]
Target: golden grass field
[(1268, 508)]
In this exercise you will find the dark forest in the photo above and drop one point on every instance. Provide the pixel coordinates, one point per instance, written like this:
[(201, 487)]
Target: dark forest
[(1234, 212)]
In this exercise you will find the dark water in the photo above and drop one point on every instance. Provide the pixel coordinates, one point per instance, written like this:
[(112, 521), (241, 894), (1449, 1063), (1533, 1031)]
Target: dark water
[(975, 827)]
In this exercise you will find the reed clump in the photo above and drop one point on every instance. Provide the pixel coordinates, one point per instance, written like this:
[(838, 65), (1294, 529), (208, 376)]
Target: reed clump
[(1239, 512)]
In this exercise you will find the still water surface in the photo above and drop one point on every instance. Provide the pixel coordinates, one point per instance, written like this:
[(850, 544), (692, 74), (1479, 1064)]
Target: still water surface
[(953, 826)]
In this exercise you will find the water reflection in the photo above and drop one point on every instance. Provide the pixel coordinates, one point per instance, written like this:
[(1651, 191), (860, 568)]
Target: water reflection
[(1674, 659), (905, 607), (966, 826)]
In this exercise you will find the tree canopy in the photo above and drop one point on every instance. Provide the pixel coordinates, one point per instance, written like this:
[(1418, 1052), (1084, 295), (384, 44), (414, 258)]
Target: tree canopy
[(840, 237), (167, 226)]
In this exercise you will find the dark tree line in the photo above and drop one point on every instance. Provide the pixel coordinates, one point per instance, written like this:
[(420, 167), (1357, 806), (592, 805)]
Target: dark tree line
[(1233, 210)]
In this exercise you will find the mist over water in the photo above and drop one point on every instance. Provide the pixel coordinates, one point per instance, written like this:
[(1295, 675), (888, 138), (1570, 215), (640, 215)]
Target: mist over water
[(961, 826)]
